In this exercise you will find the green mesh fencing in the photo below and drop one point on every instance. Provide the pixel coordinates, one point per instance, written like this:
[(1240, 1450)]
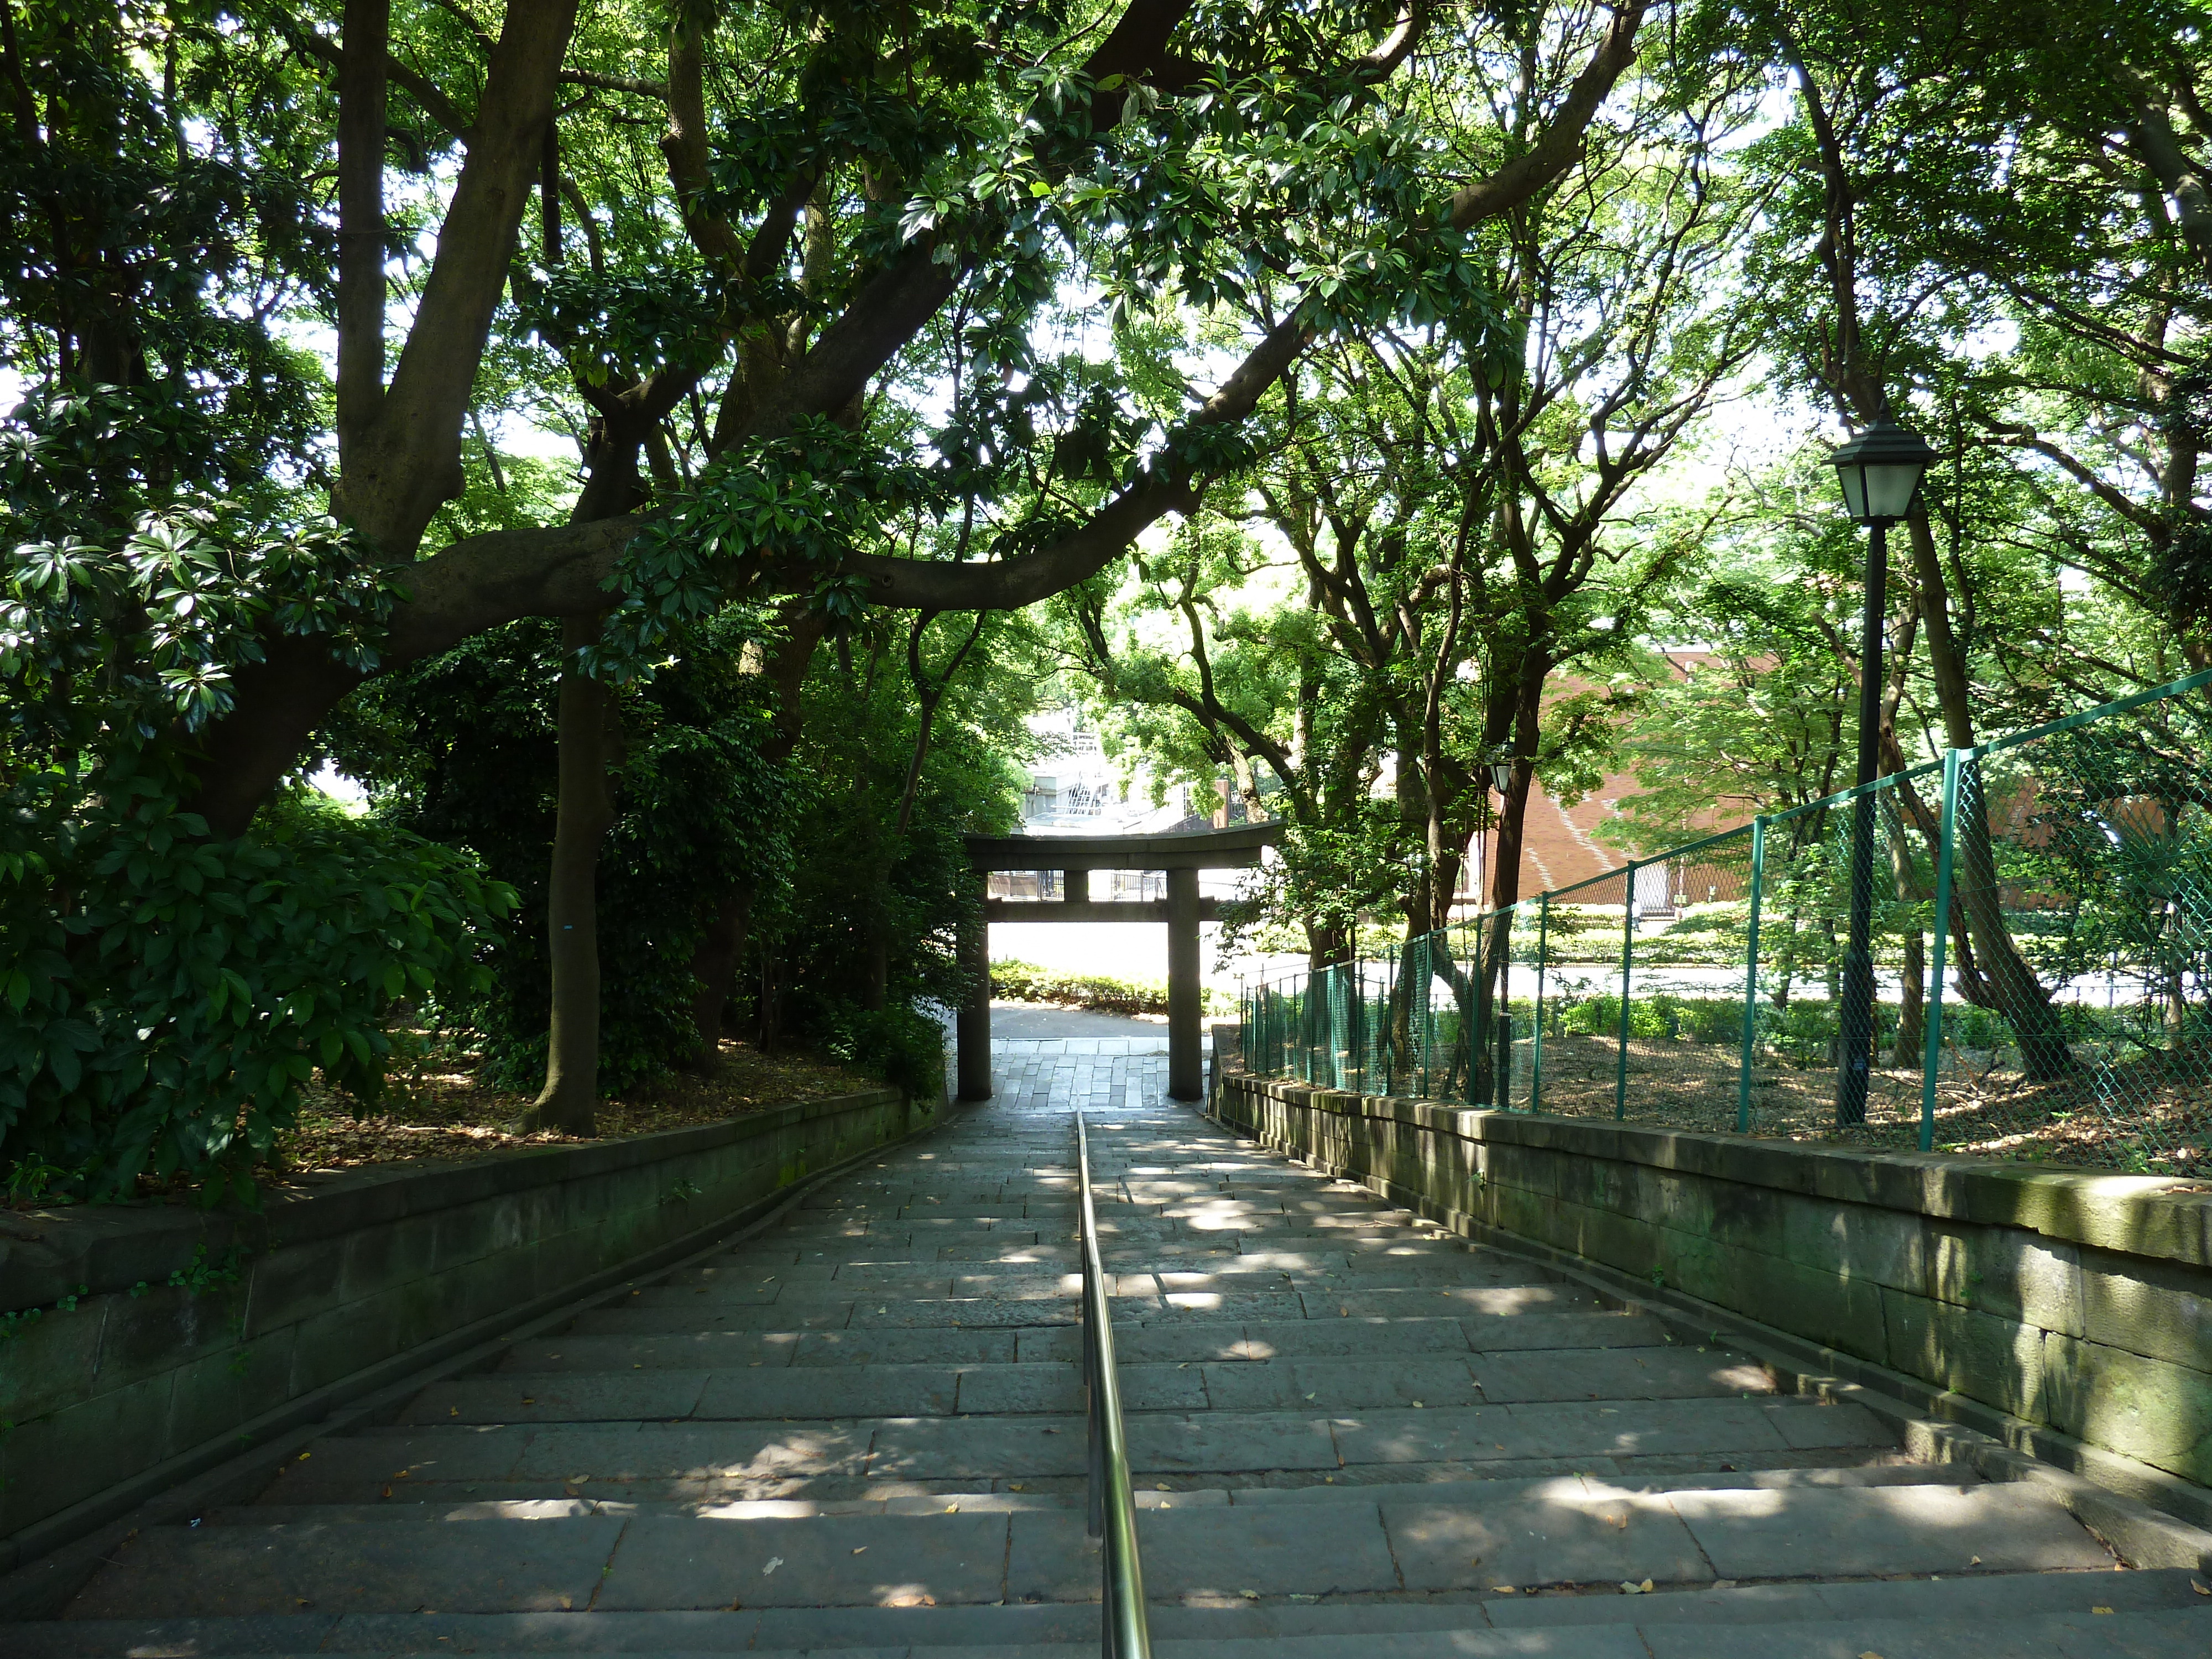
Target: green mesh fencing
[(2036, 981)]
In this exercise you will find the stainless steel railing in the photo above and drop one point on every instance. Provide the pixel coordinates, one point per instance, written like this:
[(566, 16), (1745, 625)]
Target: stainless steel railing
[(1113, 1509)]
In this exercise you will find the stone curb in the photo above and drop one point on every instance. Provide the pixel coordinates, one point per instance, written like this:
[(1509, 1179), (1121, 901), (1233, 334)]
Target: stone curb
[(48, 1562), (111, 1248), (2147, 1517)]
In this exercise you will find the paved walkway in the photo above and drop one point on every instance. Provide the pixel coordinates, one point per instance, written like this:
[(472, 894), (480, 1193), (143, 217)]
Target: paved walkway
[(859, 1432)]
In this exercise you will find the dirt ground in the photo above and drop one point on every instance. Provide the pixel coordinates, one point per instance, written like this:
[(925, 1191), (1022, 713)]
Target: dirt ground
[(2148, 1114), (445, 1111)]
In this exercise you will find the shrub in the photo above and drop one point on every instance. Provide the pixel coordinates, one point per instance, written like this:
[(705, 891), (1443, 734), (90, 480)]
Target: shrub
[(165, 995), (899, 1044), (1024, 982)]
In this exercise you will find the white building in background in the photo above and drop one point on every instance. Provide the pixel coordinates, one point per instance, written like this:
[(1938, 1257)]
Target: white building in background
[(1074, 789)]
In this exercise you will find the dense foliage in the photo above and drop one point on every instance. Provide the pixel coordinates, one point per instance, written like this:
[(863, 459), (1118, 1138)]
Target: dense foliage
[(666, 454)]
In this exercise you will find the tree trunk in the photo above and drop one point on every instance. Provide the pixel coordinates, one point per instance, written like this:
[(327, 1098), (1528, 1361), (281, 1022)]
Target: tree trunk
[(588, 737), (715, 966), (719, 954), (1911, 1003), (876, 966), (1495, 948), (2019, 996), (1327, 944)]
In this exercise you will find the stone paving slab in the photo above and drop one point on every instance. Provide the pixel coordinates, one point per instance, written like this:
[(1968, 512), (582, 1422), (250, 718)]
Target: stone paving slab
[(2057, 1636), (1917, 1603), (1506, 1332), (1178, 1342), (884, 1346), (1222, 1440), (1191, 1552), (1972, 1601), (1871, 1533), (1346, 1338), (633, 1314), (690, 1350), (1035, 1387), (831, 1391), (946, 1448), (559, 1398), (1231, 1304), (236, 1571), (1426, 1302), (1554, 1532), (1658, 1373), (973, 1313), (868, 1561), (1346, 1384), (1556, 1431)]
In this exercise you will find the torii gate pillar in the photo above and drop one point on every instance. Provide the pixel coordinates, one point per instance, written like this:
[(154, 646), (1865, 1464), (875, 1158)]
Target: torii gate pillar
[(1185, 990), (1182, 855), (972, 1026)]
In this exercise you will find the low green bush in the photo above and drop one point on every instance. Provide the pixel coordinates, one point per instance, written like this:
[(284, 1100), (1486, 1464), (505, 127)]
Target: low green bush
[(900, 1044), (1024, 982), (165, 996)]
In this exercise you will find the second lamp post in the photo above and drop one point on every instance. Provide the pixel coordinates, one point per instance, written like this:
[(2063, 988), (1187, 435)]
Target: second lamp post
[(1879, 470)]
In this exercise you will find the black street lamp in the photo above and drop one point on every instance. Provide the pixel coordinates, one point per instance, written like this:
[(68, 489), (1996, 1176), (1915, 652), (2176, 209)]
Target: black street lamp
[(1879, 470)]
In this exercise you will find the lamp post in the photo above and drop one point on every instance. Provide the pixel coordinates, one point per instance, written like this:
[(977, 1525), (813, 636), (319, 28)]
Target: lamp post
[(1879, 470)]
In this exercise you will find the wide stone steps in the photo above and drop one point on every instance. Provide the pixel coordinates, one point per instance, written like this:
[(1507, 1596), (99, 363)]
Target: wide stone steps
[(1386, 1543), (861, 1434), (2153, 1615)]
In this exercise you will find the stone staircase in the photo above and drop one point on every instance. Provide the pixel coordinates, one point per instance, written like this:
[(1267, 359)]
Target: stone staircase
[(859, 1433)]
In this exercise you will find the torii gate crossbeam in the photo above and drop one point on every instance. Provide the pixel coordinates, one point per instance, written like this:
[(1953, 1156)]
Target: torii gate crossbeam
[(1182, 855)]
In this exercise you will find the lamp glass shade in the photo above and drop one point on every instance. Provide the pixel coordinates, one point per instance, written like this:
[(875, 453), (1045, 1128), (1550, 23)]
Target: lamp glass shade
[(1879, 471), (1501, 774)]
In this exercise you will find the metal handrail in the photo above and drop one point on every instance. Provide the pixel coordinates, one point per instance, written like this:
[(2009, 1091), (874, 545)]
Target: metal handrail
[(1112, 1508)]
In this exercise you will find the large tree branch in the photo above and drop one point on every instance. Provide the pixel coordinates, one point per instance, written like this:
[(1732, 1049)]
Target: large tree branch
[(417, 85), (410, 462), (1009, 584), (574, 77), (1559, 146), (2148, 519), (361, 78), (684, 145), (2160, 146)]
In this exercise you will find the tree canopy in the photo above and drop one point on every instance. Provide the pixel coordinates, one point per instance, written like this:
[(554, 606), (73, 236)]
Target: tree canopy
[(665, 453)]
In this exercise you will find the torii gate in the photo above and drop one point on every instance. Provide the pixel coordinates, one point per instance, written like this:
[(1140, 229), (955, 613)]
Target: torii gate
[(1182, 855)]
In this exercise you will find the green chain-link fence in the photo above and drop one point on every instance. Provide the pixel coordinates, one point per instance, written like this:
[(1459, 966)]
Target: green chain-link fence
[(2061, 1008)]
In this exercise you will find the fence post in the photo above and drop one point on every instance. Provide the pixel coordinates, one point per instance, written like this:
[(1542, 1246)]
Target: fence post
[(1751, 976), (1627, 964), (1501, 1090), (1427, 969), (1931, 1056), (1543, 958)]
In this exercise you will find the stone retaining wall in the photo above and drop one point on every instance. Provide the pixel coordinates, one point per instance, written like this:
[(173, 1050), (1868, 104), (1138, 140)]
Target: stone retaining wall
[(116, 1381), (2069, 1313)]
